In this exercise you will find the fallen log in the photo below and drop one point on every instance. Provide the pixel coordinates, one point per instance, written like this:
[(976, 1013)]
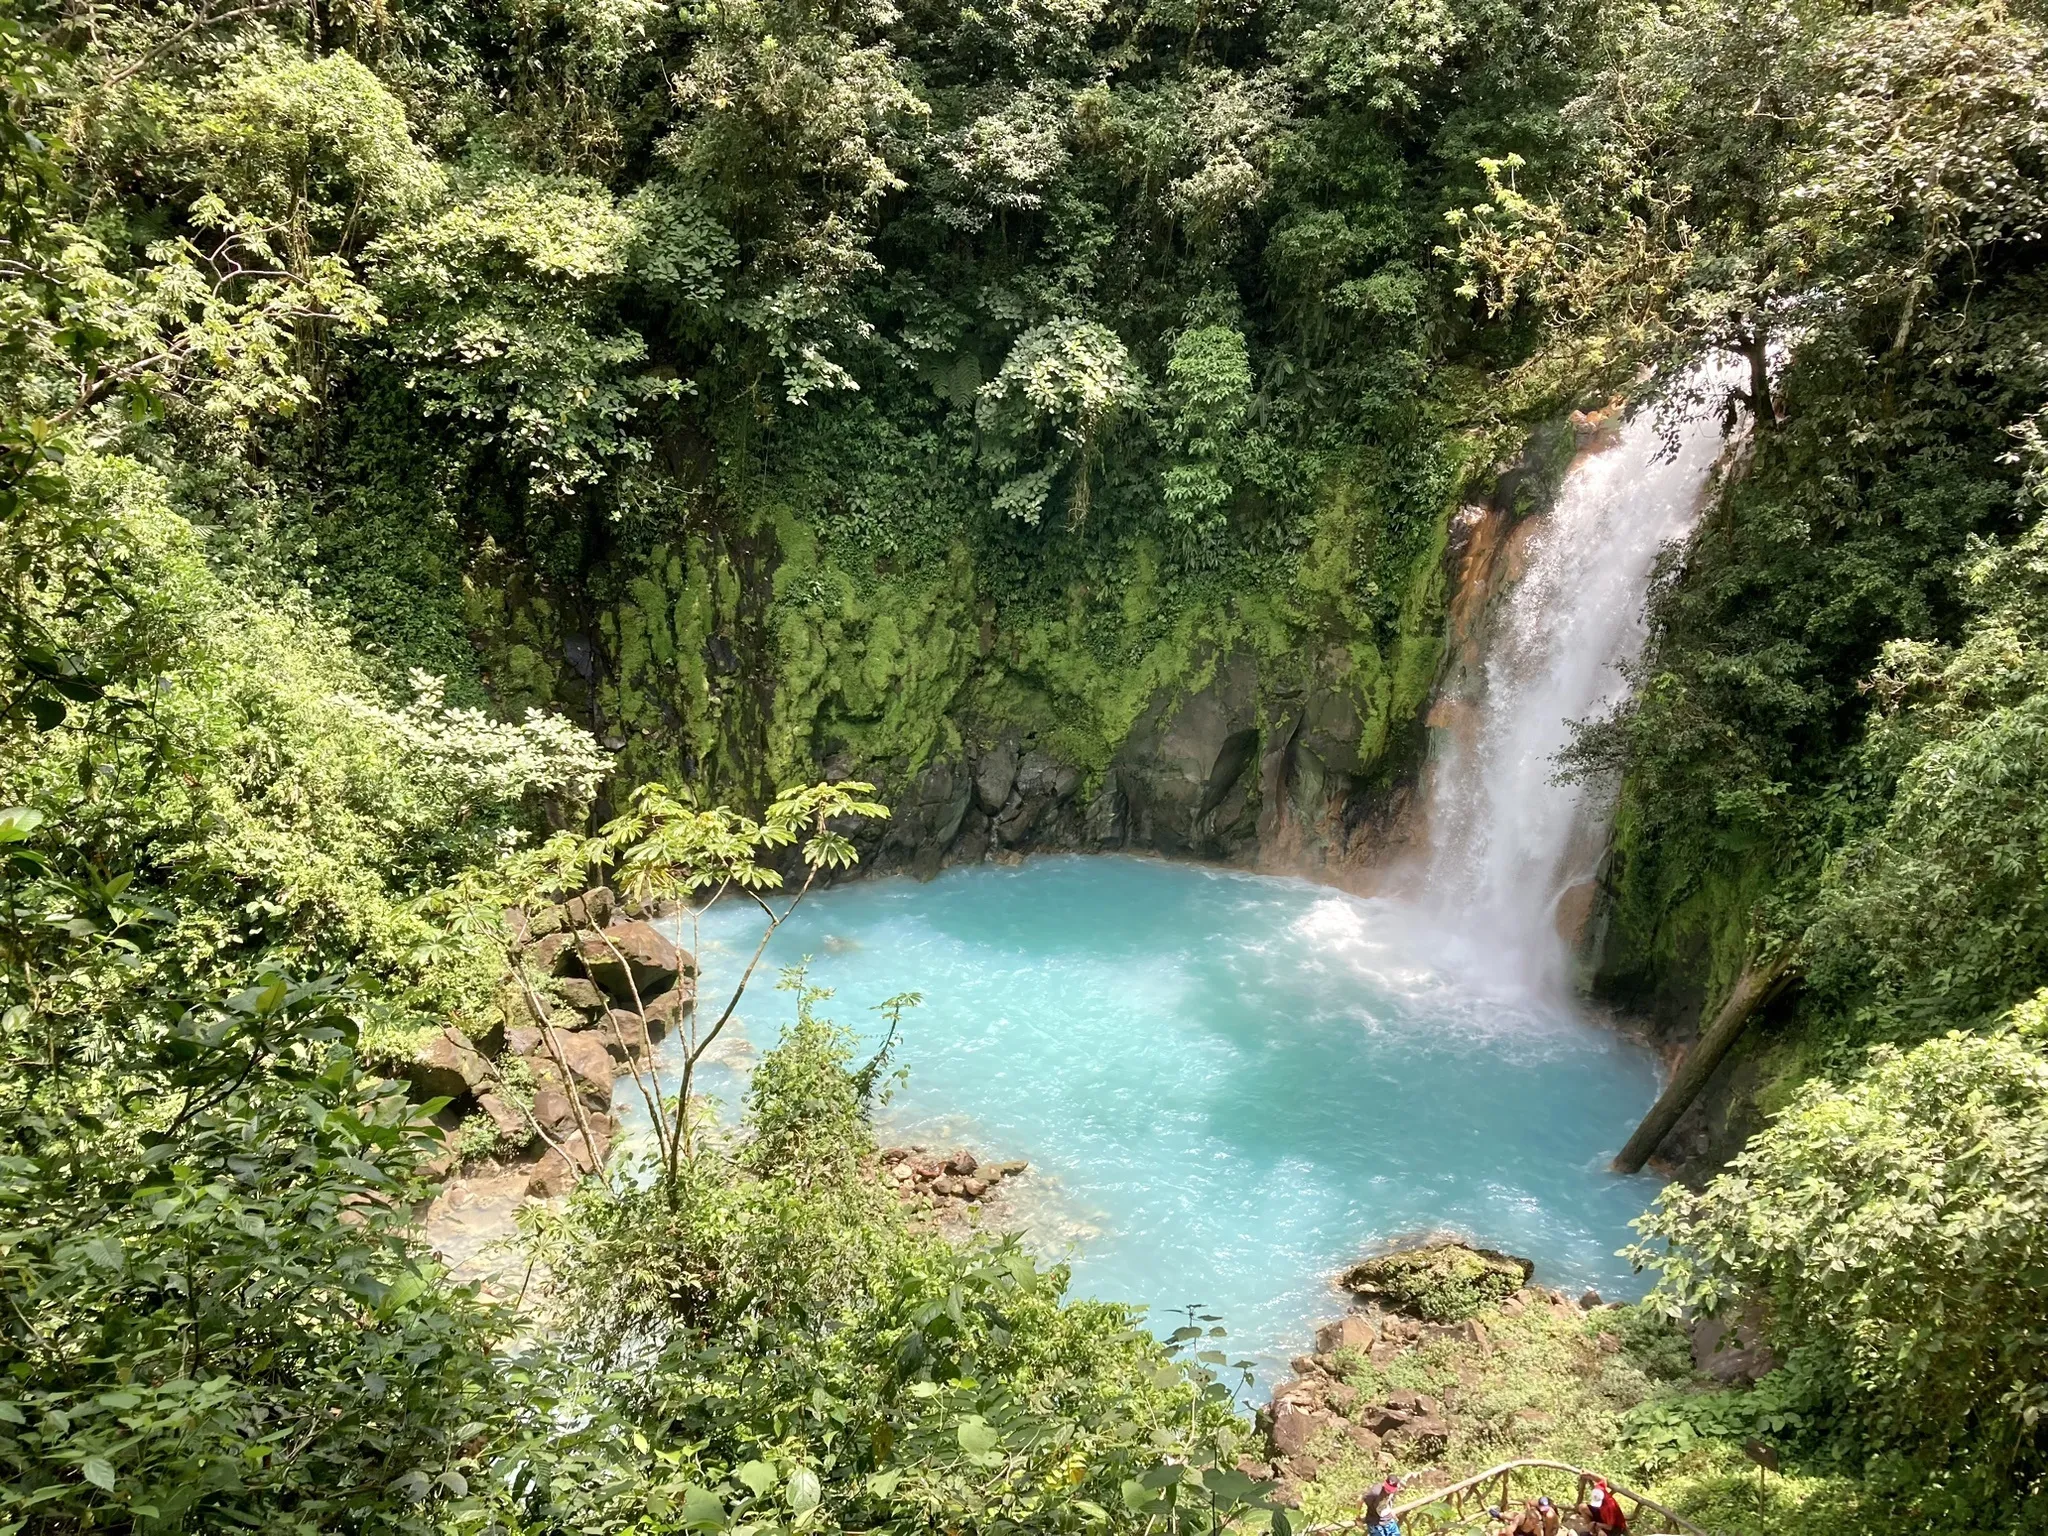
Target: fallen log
[(1755, 987)]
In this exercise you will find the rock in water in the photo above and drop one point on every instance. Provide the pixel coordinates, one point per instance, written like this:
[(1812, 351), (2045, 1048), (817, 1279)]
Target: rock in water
[(1442, 1282)]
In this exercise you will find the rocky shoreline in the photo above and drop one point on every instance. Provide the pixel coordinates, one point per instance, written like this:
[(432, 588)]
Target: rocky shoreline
[(590, 990), (1335, 1412), (943, 1183)]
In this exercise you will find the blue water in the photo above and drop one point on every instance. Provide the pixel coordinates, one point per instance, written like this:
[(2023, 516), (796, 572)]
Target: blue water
[(1227, 1085)]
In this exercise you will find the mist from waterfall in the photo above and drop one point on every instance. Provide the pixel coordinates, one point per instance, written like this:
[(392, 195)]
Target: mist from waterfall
[(1507, 841)]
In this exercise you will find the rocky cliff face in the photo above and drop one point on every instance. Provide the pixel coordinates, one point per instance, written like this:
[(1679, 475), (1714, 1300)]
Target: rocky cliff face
[(1261, 765)]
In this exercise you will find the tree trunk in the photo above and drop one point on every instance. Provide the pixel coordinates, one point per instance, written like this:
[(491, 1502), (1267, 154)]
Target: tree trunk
[(1755, 349), (1755, 987)]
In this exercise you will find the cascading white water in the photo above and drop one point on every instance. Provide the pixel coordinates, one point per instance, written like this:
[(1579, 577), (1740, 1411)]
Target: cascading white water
[(1506, 840)]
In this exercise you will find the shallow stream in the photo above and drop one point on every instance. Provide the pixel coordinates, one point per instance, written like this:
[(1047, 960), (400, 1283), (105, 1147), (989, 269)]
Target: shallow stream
[(1226, 1084)]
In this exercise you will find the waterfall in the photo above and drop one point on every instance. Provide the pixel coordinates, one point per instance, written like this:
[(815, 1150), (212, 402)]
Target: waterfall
[(1507, 844)]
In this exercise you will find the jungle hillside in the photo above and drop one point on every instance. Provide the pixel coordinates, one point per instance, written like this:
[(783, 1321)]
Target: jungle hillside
[(456, 460)]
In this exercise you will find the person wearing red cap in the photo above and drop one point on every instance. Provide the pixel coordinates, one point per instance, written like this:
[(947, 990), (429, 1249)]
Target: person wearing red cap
[(1602, 1510), (1378, 1503)]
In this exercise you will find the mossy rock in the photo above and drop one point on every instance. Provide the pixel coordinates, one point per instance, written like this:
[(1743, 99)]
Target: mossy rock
[(1440, 1282)]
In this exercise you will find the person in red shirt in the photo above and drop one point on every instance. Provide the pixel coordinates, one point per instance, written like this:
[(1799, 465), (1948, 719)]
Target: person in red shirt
[(1602, 1510)]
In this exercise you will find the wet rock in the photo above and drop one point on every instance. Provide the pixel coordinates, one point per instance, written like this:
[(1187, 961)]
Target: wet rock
[(994, 777), (961, 1162), (1106, 822)]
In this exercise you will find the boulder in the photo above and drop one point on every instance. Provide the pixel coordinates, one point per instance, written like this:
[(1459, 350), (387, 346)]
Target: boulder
[(1381, 1420), (1442, 1281), (1294, 1428), (962, 1162), (1731, 1348), (590, 1066), (1414, 1402), (446, 1066), (582, 994), (1341, 1396), (625, 1034), (551, 955), (592, 909), (1424, 1437), (551, 1106), (513, 1131), (994, 775), (557, 1173), (665, 1013), (524, 1040), (1363, 1438), (1040, 775), (1353, 1332), (654, 963)]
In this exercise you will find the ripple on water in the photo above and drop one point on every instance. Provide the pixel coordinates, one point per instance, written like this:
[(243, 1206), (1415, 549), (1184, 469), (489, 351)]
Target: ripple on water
[(1227, 1085)]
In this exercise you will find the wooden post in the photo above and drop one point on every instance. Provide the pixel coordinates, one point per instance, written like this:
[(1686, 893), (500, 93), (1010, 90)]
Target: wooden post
[(1756, 986)]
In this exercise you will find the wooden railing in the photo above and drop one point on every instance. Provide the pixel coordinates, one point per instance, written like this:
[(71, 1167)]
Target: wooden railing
[(1494, 1486)]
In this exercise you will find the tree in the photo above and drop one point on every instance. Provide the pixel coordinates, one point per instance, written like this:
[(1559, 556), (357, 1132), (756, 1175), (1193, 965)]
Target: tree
[(1893, 1230), (666, 854), (1063, 386)]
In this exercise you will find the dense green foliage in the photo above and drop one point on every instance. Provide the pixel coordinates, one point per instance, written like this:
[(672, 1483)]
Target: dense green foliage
[(1893, 1235), (760, 384), (1828, 751)]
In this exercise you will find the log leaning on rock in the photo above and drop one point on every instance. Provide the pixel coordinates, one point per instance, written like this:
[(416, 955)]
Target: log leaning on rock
[(1754, 989)]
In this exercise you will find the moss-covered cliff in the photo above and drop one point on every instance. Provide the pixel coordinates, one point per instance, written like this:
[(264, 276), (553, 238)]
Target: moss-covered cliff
[(1270, 721)]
